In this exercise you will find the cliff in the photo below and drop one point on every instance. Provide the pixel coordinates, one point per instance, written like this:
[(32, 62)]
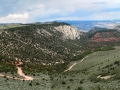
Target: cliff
[(69, 32)]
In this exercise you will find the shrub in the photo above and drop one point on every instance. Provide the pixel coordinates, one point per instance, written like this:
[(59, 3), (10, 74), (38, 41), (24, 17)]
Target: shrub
[(81, 82), (37, 83), (117, 62), (63, 82), (30, 84), (71, 79), (79, 88), (68, 87)]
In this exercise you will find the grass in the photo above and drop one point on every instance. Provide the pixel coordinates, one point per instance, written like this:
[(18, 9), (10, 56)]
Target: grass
[(41, 82), (97, 60), (7, 26), (83, 76)]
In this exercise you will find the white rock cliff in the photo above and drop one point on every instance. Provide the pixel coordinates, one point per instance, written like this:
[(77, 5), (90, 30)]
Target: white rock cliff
[(69, 32)]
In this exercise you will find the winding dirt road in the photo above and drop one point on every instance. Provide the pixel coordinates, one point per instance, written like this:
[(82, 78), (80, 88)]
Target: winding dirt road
[(76, 63), (20, 73), (70, 67), (84, 58)]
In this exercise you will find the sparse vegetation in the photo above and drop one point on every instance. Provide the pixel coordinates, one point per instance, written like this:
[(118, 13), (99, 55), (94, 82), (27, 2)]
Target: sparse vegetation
[(45, 55)]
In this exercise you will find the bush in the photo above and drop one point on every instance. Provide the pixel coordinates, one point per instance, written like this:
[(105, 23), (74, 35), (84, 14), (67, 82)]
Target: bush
[(68, 87), (71, 79), (117, 62), (63, 82), (30, 84), (79, 88), (81, 82)]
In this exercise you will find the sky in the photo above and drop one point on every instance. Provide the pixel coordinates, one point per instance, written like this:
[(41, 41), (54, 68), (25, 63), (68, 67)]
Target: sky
[(28, 11)]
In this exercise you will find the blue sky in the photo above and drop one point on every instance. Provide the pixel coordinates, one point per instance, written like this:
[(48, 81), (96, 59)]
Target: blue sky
[(25, 11)]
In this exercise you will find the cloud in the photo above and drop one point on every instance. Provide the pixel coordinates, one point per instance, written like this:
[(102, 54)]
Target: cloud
[(63, 18), (69, 9), (99, 2), (105, 15), (43, 10), (14, 18)]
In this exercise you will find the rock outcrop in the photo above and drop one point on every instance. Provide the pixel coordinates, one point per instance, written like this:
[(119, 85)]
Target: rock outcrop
[(108, 36), (69, 32), (102, 34)]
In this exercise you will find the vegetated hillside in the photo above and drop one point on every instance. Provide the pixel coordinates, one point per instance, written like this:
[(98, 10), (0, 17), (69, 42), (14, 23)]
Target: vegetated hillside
[(10, 25), (104, 35), (96, 71), (44, 44), (56, 55), (95, 29)]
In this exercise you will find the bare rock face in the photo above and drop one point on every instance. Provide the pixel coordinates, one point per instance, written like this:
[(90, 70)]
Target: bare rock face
[(108, 36), (69, 32), (117, 28)]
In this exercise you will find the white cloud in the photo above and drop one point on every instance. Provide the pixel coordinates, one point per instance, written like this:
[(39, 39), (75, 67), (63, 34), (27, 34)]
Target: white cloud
[(15, 18), (36, 7), (68, 9), (63, 18), (56, 9), (105, 15)]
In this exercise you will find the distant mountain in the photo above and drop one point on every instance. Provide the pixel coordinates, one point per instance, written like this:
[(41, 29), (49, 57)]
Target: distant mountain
[(88, 25), (102, 34), (106, 36), (96, 29)]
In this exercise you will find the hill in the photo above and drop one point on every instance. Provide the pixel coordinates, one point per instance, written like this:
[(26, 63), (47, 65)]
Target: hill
[(57, 56), (99, 34), (41, 44)]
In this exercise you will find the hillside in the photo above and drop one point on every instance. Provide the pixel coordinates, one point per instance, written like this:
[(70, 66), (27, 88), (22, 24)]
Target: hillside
[(44, 44), (96, 71), (106, 36), (98, 34), (57, 56)]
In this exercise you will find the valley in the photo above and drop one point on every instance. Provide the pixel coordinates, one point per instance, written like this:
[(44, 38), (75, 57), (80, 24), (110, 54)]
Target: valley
[(57, 56), (84, 75)]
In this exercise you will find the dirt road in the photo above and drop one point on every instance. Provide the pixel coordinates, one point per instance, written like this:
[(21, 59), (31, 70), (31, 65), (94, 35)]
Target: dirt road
[(20, 73), (70, 67), (105, 77)]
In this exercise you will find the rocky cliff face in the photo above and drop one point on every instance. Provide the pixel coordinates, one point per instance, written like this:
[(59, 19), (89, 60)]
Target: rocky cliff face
[(69, 32), (100, 34), (117, 28), (108, 36)]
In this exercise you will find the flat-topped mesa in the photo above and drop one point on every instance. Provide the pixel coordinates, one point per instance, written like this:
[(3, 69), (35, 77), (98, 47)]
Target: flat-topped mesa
[(69, 32)]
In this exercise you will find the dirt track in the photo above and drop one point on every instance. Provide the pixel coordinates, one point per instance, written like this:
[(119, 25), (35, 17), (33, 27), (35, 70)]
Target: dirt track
[(70, 67), (105, 77), (76, 63), (20, 73)]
